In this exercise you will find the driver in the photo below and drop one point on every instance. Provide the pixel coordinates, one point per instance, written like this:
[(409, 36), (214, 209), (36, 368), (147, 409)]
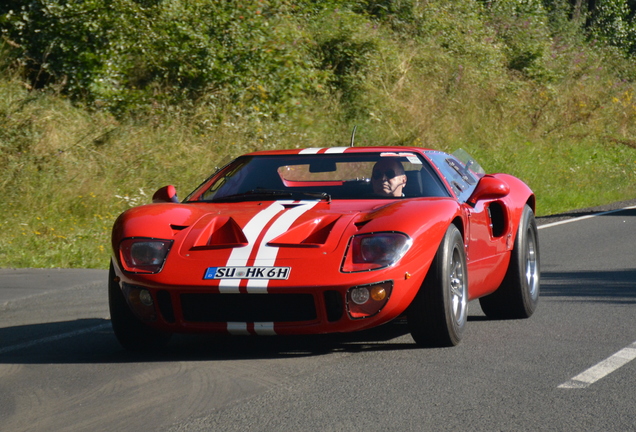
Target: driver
[(388, 178)]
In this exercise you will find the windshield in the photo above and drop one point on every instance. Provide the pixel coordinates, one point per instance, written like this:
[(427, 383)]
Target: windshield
[(323, 176)]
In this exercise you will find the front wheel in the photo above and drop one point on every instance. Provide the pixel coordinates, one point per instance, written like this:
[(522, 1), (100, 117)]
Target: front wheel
[(131, 333), (438, 314), (518, 294)]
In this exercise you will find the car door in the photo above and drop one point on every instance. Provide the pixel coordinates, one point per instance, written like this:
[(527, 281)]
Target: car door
[(485, 239)]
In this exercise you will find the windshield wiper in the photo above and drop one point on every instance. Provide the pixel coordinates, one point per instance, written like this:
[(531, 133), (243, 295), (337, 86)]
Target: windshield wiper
[(320, 195), (258, 193), (262, 193)]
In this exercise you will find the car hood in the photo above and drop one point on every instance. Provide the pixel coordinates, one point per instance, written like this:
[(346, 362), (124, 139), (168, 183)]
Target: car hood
[(279, 224), (287, 229)]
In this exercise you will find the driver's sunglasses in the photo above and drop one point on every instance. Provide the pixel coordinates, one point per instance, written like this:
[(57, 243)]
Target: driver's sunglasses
[(389, 174)]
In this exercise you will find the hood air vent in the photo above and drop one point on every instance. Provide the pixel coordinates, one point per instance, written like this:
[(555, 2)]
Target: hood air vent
[(220, 232), (313, 233)]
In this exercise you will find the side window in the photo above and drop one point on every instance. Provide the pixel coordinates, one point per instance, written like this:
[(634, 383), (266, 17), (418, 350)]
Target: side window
[(461, 180)]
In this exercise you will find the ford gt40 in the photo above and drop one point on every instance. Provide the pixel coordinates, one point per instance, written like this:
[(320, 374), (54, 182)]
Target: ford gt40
[(324, 240)]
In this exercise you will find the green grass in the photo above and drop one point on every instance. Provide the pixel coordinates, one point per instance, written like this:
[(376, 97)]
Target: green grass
[(68, 191)]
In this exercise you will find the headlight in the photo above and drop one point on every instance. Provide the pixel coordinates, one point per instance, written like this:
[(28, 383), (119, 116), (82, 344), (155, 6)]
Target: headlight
[(374, 251), (144, 255)]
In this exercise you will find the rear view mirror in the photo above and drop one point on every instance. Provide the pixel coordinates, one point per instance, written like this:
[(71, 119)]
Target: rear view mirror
[(167, 194), (322, 165), (489, 187)]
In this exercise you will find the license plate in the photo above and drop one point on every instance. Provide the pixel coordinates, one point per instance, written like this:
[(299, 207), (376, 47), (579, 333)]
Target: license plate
[(247, 273)]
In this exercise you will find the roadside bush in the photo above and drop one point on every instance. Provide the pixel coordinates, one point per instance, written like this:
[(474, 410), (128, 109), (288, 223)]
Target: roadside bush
[(134, 56), (612, 22), (522, 26), (346, 46), (65, 43)]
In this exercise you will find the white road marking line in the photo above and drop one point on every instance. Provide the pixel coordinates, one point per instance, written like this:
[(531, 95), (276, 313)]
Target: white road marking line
[(584, 217), (602, 369), (53, 338), (612, 363)]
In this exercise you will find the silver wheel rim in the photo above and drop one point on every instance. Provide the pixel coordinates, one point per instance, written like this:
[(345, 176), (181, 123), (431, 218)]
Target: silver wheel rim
[(458, 288), (532, 265)]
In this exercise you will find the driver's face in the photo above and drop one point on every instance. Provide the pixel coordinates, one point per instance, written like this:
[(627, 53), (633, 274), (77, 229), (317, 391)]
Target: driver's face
[(386, 180)]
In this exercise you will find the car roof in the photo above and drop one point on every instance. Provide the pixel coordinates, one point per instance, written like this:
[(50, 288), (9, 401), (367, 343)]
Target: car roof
[(336, 150)]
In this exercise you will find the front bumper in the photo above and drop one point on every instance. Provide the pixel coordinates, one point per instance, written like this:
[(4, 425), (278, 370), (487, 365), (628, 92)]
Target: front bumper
[(281, 310)]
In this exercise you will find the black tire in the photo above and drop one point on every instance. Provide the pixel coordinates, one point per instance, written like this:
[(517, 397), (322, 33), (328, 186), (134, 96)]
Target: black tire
[(131, 333), (437, 317), (518, 294)]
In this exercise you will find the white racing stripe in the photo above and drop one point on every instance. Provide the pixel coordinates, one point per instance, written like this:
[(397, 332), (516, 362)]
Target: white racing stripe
[(266, 256), (237, 328), (264, 328), (260, 328), (336, 150), (602, 369), (252, 230), (316, 150)]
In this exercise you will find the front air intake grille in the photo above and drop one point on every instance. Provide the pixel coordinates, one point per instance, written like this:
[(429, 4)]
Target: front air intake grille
[(248, 307), (333, 303), (165, 305)]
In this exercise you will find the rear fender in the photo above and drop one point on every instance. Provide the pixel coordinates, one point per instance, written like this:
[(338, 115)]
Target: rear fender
[(520, 195)]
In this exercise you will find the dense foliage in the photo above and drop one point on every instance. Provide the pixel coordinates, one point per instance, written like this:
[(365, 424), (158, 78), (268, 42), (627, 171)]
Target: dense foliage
[(104, 101), (140, 55)]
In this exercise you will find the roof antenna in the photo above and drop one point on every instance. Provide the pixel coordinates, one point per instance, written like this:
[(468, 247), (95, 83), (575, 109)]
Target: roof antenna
[(353, 135)]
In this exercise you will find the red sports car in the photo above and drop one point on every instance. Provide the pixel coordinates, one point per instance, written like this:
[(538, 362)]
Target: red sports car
[(324, 240)]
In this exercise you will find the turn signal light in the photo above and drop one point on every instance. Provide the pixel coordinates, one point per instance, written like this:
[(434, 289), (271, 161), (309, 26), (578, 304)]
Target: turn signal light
[(140, 302), (367, 300)]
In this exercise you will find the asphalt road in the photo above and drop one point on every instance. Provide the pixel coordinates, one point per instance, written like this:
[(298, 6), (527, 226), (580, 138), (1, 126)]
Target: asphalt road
[(568, 368)]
